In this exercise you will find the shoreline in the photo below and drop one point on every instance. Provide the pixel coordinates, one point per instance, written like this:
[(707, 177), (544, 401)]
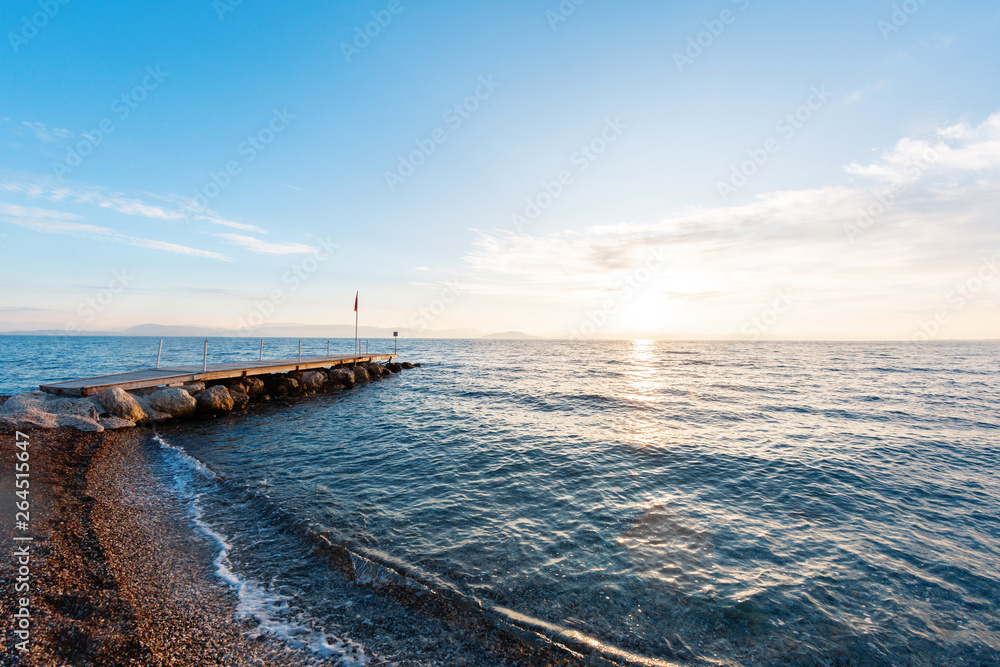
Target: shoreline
[(120, 576)]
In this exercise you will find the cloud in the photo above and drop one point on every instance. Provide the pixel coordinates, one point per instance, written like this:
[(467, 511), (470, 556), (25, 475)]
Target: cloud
[(31, 212), (264, 247), (289, 185), (65, 227), (155, 207), (958, 150), (724, 260), (856, 96), (49, 135), (177, 209)]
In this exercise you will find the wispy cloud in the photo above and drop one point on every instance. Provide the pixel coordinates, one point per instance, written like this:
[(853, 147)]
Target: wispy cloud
[(267, 248), (172, 209), (290, 186), (856, 96), (49, 135), (42, 220), (31, 212)]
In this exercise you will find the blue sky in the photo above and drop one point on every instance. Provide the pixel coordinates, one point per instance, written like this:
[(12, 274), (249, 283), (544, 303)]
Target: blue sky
[(650, 232)]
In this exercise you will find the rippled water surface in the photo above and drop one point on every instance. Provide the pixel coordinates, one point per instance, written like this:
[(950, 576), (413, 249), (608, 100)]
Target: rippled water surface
[(742, 503)]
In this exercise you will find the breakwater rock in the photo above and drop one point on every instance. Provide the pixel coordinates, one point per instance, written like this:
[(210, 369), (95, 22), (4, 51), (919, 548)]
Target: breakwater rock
[(117, 408)]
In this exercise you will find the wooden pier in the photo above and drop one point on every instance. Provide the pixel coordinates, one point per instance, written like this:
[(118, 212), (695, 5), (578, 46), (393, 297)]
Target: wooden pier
[(179, 375)]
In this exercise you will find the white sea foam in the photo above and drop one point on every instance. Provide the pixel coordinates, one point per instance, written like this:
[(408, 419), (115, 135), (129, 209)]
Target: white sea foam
[(184, 458), (271, 610)]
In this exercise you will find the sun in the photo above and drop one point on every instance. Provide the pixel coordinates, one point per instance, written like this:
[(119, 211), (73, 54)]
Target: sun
[(645, 313)]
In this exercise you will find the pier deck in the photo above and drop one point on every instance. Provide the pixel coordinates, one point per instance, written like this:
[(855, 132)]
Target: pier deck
[(178, 375)]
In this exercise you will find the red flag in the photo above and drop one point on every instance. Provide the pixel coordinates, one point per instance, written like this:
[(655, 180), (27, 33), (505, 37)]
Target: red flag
[(356, 301)]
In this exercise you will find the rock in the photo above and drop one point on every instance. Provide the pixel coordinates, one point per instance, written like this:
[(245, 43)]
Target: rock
[(393, 367), (240, 399), (360, 373), (28, 411), (111, 423), (25, 421), (281, 390), (289, 383), (406, 365), (79, 423), (214, 400), (23, 402), (416, 365), (238, 385), (81, 407), (313, 380), (341, 377), (194, 387), (155, 415), (174, 401), (255, 386), (119, 403)]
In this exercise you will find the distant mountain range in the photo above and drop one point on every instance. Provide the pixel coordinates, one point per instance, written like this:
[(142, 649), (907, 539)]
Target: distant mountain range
[(510, 335), (278, 331)]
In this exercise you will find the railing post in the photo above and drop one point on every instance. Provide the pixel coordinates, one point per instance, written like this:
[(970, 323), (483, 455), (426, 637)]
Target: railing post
[(328, 347), (300, 351), (262, 349), (204, 367), (158, 351)]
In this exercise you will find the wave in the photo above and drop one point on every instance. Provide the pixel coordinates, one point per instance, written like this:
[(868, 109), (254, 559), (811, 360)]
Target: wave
[(367, 567), (271, 610)]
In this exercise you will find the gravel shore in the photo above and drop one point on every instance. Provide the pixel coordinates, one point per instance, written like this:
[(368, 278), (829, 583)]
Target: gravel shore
[(120, 578)]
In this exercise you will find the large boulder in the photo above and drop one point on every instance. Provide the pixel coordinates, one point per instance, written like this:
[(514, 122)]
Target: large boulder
[(240, 399), (119, 403), (341, 377), (79, 423), (255, 386), (81, 407), (27, 411), (393, 367), (406, 365), (360, 373), (174, 401), (112, 423), (214, 400), (153, 416), (313, 380), (194, 387), (291, 385)]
